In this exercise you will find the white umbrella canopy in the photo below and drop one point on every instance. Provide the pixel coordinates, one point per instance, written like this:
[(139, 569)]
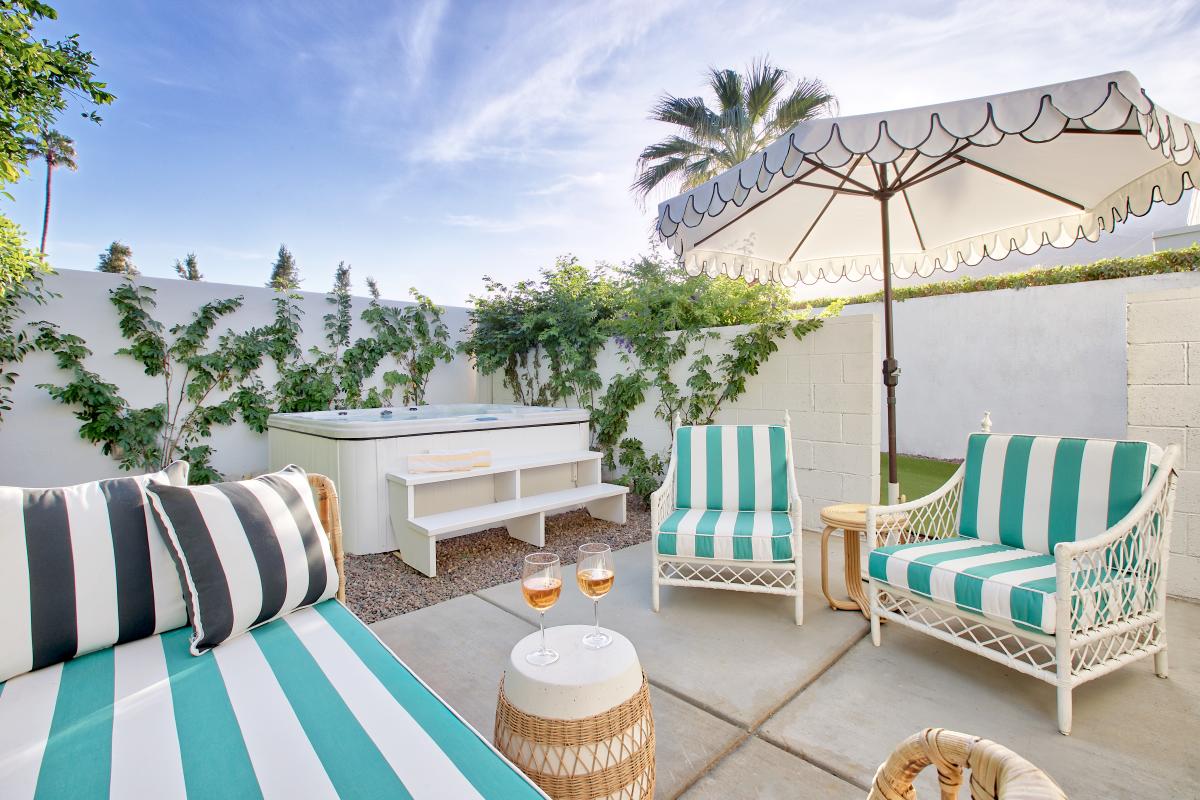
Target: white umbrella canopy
[(933, 187)]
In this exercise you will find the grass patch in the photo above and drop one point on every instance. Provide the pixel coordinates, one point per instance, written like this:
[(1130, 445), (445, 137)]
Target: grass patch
[(918, 476)]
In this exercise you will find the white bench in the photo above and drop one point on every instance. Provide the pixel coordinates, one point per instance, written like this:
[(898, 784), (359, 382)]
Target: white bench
[(516, 491)]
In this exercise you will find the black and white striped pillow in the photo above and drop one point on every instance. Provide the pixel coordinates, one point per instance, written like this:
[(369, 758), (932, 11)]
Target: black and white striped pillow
[(83, 568), (247, 552)]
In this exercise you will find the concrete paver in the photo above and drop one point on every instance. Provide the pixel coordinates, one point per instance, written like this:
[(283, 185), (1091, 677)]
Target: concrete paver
[(739, 655), (1133, 733)]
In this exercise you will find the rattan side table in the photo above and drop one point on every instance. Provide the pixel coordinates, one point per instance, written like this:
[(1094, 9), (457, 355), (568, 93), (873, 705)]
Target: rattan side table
[(580, 728), (851, 518)]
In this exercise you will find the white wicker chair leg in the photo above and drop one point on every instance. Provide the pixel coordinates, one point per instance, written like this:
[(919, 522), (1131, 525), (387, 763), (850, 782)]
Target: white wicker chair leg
[(1160, 663), (798, 561), (654, 590), (873, 595), (1062, 655)]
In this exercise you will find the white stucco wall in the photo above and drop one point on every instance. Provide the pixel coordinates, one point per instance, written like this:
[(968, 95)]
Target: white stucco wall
[(39, 440), (1164, 407), (1047, 359), (828, 382)]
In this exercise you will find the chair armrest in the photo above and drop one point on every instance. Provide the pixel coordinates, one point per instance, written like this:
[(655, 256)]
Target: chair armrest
[(1122, 573), (662, 500), (934, 516)]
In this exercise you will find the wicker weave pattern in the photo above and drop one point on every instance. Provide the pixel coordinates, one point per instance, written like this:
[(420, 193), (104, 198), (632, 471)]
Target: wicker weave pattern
[(606, 755), (330, 514), (997, 773)]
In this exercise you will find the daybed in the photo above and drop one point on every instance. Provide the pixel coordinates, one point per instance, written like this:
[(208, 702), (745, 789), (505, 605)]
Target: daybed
[(308, 705)]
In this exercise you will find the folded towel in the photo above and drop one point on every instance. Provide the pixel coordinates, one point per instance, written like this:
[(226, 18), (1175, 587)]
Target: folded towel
[(449, 460)]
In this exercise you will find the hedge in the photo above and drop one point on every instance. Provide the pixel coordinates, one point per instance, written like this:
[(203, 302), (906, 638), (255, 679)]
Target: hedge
[(1165, 261)]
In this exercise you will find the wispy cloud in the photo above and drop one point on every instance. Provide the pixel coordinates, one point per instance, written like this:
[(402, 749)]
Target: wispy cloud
[(422, 37), (567, 183), (514, 224)]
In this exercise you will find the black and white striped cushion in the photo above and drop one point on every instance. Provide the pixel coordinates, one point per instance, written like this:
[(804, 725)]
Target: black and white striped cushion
[(247, 552), (83, 568)]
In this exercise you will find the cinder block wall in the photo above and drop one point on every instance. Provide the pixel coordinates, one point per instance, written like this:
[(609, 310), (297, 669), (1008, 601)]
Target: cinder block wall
[(829, 382), (1164, 407)]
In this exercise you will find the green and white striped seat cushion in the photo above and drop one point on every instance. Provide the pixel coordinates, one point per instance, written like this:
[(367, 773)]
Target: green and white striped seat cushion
[(1033, 492), (729, 535), (999, 582), (731, 467), (310, 705)]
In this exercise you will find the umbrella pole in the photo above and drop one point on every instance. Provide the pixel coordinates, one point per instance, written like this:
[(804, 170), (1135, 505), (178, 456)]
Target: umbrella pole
[(891, 368)]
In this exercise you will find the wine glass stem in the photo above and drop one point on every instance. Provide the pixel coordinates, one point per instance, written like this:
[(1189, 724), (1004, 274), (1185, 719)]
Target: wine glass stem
[(596, 614), (542, 626)]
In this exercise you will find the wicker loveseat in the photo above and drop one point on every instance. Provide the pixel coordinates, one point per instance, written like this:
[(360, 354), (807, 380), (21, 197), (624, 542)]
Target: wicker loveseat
[(728, 514), (309, 705), (1045, 554)]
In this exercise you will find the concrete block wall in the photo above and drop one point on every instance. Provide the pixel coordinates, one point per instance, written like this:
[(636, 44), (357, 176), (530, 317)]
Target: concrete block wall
[(829, 382), (1163, 377)]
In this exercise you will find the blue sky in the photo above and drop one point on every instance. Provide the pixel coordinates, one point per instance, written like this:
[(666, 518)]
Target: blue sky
[(428, 144)]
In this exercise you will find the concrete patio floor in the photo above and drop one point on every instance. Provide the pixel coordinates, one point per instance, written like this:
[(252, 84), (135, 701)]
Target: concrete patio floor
[(746, 704)]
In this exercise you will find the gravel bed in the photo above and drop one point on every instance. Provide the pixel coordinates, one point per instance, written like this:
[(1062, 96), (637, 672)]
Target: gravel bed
[(381, 585)]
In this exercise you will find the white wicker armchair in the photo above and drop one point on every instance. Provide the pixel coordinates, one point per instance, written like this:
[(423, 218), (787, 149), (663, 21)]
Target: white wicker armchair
[(1109, 589), (754, 573)]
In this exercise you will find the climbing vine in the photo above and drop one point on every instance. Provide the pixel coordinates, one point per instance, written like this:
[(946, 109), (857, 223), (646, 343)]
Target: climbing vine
[(210, 380), (544, 338)]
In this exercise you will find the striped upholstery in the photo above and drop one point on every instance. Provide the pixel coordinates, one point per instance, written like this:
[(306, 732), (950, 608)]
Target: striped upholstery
[(82, 568), (247, 552), (730, 535), (731, 467), (1033, 492), (311, 705), (995, 581)]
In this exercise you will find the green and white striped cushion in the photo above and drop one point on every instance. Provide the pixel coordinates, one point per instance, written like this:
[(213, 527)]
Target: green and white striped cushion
[(729, 535), (310, 705), (1033, 492), (1001, 582), (731, 467)]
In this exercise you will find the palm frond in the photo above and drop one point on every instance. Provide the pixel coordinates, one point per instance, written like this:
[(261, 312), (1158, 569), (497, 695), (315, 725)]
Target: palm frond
[(763, 89), (809, 98), (727, 85), (690, 113), (652, 175), (672, 146)]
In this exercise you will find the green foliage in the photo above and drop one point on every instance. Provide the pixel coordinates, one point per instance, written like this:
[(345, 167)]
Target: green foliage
[(191, 366), (285, 275), (1186, 259), (117, 258), (18, 263), (752, 110), (20, 285), (544, 337), (39, 77), (414, 337), (189, 268)]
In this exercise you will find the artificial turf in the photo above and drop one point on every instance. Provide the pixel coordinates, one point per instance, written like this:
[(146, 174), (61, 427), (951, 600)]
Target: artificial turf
[(918, 476)]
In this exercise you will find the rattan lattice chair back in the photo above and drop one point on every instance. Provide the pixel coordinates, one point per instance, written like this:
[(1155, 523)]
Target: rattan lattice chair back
[(325, 494), (996, 773)]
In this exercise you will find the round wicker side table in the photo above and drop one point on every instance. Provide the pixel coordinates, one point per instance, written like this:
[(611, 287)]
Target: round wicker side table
[(581, 728)]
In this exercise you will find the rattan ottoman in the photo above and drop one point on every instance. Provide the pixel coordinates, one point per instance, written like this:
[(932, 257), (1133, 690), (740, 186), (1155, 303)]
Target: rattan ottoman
[(581, 728)]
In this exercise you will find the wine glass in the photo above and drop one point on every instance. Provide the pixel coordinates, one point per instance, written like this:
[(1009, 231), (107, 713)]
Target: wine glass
[(594, 574), (541, 583)]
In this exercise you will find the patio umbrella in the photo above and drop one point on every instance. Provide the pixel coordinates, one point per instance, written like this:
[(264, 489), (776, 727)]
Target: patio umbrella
[(930, 188)]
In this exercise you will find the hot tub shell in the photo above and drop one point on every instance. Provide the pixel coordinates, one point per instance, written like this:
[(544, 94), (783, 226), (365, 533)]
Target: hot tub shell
[(358, 448)]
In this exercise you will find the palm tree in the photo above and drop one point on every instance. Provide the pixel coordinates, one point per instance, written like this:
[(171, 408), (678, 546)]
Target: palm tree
[(753, 109), (59, 151)]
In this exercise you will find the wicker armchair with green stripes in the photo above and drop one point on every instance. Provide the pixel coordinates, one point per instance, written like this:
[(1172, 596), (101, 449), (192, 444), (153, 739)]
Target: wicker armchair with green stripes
[(728, 513), (165, 641), (1045, 554)]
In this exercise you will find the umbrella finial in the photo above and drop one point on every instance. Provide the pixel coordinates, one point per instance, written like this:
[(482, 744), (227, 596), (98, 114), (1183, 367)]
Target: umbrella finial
[(985, 424)]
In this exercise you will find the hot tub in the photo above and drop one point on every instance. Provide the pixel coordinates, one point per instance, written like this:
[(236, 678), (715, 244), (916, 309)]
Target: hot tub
[(357, 448)]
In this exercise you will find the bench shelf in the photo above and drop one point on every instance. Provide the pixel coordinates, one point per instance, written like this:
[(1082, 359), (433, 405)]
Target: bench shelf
[(516, 491)]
